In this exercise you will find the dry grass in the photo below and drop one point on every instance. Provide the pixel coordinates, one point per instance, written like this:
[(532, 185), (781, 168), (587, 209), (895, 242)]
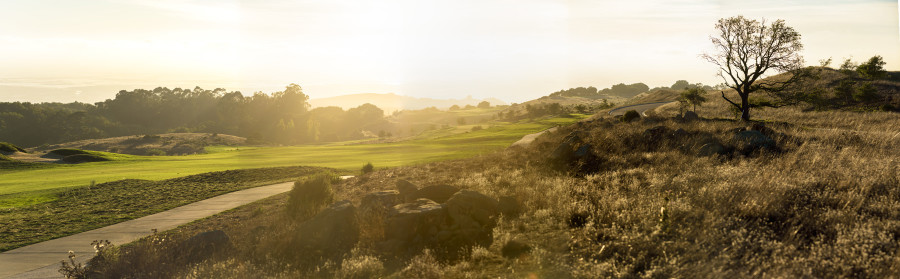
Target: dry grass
[(827, 205)]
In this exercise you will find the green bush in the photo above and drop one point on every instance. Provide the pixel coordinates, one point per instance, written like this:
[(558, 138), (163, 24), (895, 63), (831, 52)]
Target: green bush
[(367, 168), (9, 147), (68, 152), (309, 196), (631, 115)]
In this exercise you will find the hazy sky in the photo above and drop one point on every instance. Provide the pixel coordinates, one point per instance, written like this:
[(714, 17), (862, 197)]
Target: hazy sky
[(514, 50)]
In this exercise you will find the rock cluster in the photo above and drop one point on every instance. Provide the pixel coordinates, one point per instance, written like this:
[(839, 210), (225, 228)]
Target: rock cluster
[(442, 218)]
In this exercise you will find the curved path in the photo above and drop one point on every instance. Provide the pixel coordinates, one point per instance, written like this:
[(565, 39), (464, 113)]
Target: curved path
[(42, 260), (527, 139), (641, 108)]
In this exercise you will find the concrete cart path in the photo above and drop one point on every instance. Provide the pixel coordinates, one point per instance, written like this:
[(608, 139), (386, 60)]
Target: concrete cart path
[(42, 260), (640, 108)]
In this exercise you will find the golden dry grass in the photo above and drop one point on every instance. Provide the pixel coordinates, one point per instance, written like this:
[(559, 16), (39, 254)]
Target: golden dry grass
[(827, 205)]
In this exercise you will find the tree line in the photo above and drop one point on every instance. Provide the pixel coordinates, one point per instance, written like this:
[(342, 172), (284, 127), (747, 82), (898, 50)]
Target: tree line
[(282, 117)]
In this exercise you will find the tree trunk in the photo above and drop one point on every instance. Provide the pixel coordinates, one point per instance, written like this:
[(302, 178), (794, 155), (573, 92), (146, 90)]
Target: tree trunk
[(745, 107)]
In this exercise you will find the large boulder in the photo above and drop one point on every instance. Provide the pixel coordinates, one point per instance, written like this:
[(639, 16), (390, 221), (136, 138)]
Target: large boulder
[(710, 149), (406, 190), (411, 227), (574, 153), (438, 193), (329, 234), (381, 201), (473, 217)]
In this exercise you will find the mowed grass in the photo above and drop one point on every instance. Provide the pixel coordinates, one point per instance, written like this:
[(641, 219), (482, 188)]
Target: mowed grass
[(26, 186)]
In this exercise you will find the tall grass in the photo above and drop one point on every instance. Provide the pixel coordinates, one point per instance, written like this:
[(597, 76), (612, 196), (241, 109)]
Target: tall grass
[(826, 204)]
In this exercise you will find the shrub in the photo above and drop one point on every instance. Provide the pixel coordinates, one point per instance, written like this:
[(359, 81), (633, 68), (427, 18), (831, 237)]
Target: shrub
[(360, 267), (422, 266), (865, 93), (631, 115), (84, 158), (309, 196), (9, 147), (367, 168), (477, 128)]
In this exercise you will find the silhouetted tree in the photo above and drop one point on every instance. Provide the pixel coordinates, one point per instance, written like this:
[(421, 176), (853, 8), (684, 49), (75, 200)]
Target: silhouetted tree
[(746, 49), (872, 69)]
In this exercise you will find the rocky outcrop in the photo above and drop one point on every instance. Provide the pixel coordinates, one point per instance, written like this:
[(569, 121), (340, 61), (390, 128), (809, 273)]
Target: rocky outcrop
[(467, 219), (329, 234), (439, 193)]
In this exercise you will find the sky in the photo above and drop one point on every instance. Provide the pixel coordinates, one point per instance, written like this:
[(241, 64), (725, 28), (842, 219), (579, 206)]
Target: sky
[(514, 50)]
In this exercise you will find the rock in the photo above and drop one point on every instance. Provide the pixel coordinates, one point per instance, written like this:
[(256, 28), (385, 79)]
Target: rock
[(406, 189), (329, 234), (514, 249), (509, 206), (655, 134), (439, 193), (690, 116), (413, 226), (206, 244), (379, 201), (473, 217), (712, 148), (574, 153), (680, 133), (752, 140)]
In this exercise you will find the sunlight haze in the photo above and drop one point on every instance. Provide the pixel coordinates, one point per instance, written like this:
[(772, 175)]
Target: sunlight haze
[(63, 51)]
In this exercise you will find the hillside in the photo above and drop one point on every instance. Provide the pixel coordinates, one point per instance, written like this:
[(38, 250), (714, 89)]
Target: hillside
[(391, 102), (807, 195)]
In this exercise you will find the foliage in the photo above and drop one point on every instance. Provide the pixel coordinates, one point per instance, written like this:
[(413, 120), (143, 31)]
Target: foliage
[(621, 90), (746, 49), (630, 116), (367, 168), (865, 93), (484, 104), (281, 117), (872, 69), (693, 96), (310, 195)]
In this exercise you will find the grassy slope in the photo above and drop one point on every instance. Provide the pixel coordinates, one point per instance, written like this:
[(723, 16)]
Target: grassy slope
[(434, 147), (85, 208), (825, 207)]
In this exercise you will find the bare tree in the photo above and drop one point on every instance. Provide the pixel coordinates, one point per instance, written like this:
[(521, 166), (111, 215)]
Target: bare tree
[(746, 49)]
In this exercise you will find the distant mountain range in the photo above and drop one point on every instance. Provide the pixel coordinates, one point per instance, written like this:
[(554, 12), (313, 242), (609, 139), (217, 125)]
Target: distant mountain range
[(390, 102)]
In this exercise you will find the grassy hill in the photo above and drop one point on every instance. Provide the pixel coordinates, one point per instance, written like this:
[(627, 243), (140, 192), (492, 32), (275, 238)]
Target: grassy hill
[(821, 202)]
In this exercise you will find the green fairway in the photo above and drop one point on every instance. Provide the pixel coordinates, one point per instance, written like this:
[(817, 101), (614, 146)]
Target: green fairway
[(442, 145)]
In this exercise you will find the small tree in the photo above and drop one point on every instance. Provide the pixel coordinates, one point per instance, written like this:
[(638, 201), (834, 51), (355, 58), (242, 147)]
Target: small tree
[(865, 93), (746, 49), (872, 69), (484, 104), (848, 66), (694, 96)]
